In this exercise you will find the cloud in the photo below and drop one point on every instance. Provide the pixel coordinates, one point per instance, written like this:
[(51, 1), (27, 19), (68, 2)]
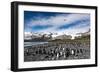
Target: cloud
[(76, 24), (59, 19), (67, 23)]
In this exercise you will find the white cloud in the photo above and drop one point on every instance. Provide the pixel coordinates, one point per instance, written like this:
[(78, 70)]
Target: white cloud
[(71, 31), (60, 20)]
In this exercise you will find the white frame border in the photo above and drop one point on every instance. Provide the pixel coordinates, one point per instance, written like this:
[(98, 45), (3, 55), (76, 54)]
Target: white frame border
[(22, 64)]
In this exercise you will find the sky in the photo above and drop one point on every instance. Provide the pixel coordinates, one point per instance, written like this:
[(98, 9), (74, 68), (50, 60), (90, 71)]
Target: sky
[(54, 22)]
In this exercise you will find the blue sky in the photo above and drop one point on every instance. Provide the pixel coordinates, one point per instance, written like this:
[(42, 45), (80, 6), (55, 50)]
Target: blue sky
[(70, 23)]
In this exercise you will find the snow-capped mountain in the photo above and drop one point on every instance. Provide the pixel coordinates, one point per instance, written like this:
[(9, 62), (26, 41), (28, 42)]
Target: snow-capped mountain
[(53, 36)]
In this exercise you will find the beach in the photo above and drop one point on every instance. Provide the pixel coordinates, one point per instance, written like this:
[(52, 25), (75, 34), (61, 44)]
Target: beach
[(49, 51)]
